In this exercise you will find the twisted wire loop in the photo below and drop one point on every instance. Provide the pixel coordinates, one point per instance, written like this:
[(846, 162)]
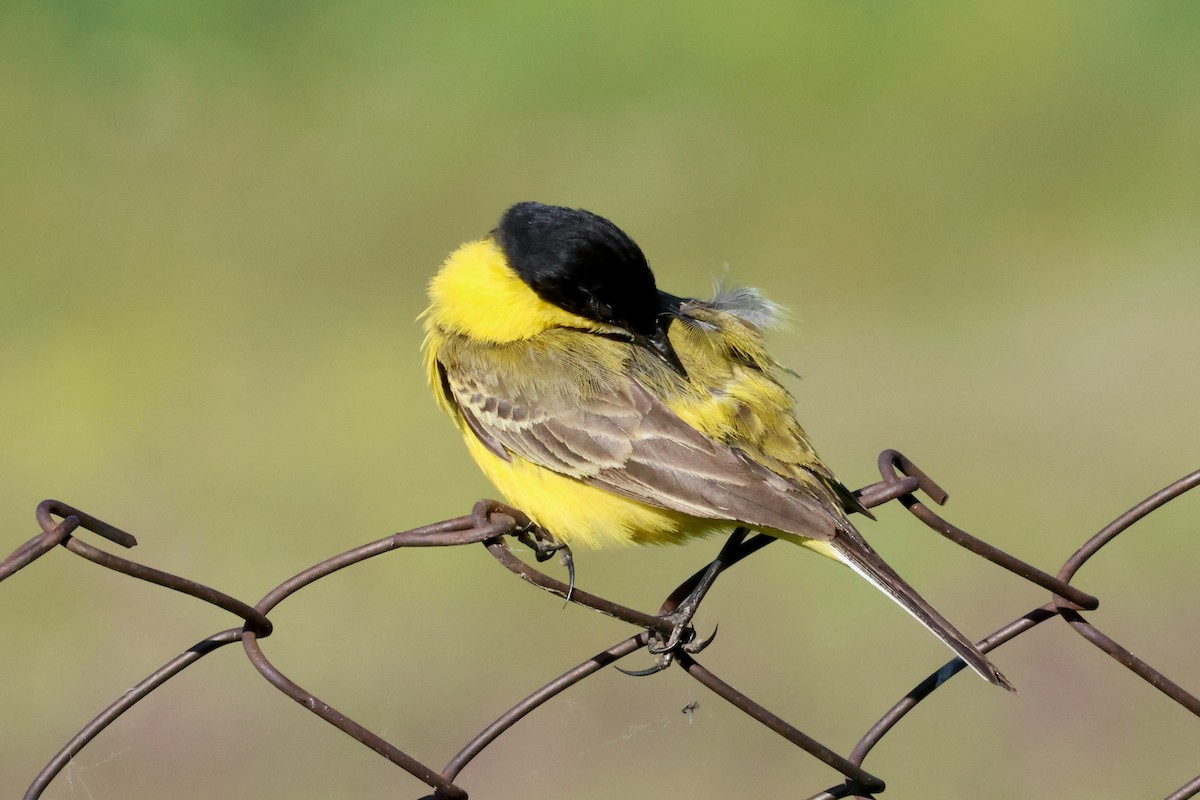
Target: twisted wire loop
[(1066, 602), (490, 523)]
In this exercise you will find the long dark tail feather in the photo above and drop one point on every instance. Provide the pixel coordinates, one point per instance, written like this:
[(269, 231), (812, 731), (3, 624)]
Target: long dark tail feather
[(853, 550)]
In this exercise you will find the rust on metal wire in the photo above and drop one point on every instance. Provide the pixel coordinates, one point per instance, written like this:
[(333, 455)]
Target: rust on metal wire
[(490, 523)]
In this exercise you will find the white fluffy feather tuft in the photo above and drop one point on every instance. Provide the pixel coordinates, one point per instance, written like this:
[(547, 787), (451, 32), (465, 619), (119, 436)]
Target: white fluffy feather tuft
[(749, 305)]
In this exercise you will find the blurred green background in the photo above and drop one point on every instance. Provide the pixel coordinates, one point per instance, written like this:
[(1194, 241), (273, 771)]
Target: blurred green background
[(218, 220)]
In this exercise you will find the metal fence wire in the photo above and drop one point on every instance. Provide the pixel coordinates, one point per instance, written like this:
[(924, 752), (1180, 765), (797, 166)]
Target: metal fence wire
[(490, 524)]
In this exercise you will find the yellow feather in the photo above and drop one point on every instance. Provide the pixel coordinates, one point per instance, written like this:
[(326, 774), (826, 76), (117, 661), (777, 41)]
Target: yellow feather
[(476, 294), (580, 514)]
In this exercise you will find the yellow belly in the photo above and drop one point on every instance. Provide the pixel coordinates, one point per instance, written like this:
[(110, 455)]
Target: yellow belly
[(582, 515)]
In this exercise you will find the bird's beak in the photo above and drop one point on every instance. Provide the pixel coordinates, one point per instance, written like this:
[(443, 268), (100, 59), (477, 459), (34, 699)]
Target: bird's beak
[(659, 344)]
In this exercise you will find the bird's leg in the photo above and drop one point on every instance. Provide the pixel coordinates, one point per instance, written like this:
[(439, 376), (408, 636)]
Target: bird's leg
[(529, 533), (682, 634)]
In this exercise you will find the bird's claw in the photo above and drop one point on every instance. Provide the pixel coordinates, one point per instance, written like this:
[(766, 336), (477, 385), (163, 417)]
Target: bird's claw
[(682, 638), (656, 667), (694, 647), (544, 545), (529, 533), (681, 635)]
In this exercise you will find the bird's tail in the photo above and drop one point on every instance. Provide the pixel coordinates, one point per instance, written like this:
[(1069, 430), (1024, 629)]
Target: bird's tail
[(853, 551)]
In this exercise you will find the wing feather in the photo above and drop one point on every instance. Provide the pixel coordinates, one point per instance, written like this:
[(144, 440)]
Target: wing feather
[(624, 439)]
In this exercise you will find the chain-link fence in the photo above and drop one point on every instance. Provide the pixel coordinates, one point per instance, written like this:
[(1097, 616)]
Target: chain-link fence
[(491, 523)]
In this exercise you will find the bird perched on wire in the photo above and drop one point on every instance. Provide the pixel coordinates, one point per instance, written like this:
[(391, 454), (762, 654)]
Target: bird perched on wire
[(614, 413)]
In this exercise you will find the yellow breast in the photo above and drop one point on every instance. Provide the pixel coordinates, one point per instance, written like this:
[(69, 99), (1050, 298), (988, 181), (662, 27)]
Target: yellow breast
[(581, 515)]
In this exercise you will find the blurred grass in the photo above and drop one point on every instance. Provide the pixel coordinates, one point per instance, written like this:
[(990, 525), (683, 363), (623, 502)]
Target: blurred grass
[(218, 222)]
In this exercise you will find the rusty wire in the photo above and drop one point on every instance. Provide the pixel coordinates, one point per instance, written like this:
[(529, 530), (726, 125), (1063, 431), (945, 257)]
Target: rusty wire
[(490, 523)]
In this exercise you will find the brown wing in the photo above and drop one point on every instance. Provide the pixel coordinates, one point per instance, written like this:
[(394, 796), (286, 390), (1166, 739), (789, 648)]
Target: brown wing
[(611, 432)]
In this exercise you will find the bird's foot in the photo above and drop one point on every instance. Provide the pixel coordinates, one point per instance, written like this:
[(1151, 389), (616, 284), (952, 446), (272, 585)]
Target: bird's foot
[(529, 533), (682, 635), (544, 546), (682, 638)]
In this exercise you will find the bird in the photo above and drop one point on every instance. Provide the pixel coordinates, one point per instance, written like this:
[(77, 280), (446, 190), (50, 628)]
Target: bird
[(613, 413)]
